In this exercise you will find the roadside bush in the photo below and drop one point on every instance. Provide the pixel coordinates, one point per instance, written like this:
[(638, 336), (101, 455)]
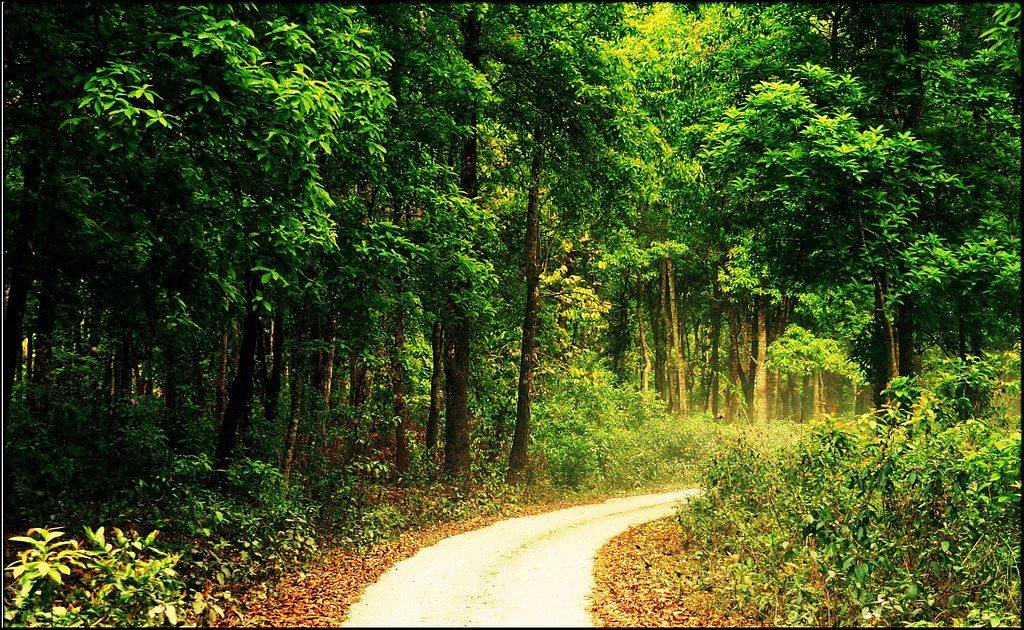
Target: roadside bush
[(907, 516), (591, 434), (116, 580)]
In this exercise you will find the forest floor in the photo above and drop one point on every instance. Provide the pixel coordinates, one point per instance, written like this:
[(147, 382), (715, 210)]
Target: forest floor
[(640, 580), (472, 563)]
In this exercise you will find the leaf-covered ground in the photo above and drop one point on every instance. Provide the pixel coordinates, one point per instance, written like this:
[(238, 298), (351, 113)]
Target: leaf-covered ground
[(641, 579)]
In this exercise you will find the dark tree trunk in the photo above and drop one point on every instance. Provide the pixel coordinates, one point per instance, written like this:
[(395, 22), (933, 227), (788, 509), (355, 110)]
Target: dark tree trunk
[(359, 392), (297, 390), (436, 384), (397, 373), (456, 398), (221, 384), (239, 405), (14, 321), (654, 310), (645, 351), (677, 366), (905, 337), (528, 351), (716, 327), (42, 363), (760, 414), (273, 392), (457, 328), (735, 384)]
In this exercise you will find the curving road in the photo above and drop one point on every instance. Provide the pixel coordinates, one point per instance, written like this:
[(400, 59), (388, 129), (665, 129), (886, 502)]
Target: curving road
[(528, 571)]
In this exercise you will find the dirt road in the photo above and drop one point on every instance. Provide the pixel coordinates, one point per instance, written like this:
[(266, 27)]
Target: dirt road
[(528, 571)]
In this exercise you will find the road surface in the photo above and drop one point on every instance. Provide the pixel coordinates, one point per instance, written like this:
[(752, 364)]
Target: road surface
[(527, 571)]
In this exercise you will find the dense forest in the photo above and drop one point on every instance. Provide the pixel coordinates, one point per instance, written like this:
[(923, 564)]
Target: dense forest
[(280, 274)]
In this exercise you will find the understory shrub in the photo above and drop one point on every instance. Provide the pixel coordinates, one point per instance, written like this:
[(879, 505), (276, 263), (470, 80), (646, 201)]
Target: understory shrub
[(906, 516)]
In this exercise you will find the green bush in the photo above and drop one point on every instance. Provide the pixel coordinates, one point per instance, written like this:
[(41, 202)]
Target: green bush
[(592, 434), (907, 516), (118, 580)]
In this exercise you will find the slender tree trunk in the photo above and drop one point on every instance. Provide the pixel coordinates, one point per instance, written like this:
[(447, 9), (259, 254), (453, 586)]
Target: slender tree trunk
[(645, 351), (297, 390), (761, 365), (679, 366), (221, 384), (326, 368), (359, 392), (273, 393), (14, 321), (806, 399), (401, 411), (716, 333), (436, 384), (528, 352), (654, 304), (42, 363), (456, 399), (239, 405), (905, 336), (735, 385)]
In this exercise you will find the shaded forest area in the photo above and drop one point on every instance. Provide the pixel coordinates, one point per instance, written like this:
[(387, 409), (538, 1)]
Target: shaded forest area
[(277, 274)]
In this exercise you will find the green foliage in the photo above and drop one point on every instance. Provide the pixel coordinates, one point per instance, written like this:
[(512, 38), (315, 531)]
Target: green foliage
[(116, 580), (911, 517)]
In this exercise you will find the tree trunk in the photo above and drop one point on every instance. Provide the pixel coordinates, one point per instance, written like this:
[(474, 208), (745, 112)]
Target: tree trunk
[(457, 329), (761, 364), (678, 366), (359, 393), (905, 336), (239, 405), (273, 392), (716, 332), (401, 411), (806, 399), (456, 398), (735, 385), (222, 381), (297, 390), (326, 374), (436, 384), (654, 308), (42, 363), (645, 351), (14, 321), (527, 355)]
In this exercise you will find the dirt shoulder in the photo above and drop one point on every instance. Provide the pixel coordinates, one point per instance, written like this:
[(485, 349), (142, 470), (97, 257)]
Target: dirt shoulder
[(641, 579)]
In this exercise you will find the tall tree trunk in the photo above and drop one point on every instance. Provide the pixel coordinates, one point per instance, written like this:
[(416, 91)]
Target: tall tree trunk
[(359, 392), (761, 364), (436, 384), (42, 363), (678, 366), (239, 405), (716, 333), (456, 399), (401, 411), (14, 321), (326, 368), (806, 399), (654, 308), (457, 329), (905, 336), (735, 385), (645, 351), (297, 390), (221, 384), (528, 353), (273, 392)]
